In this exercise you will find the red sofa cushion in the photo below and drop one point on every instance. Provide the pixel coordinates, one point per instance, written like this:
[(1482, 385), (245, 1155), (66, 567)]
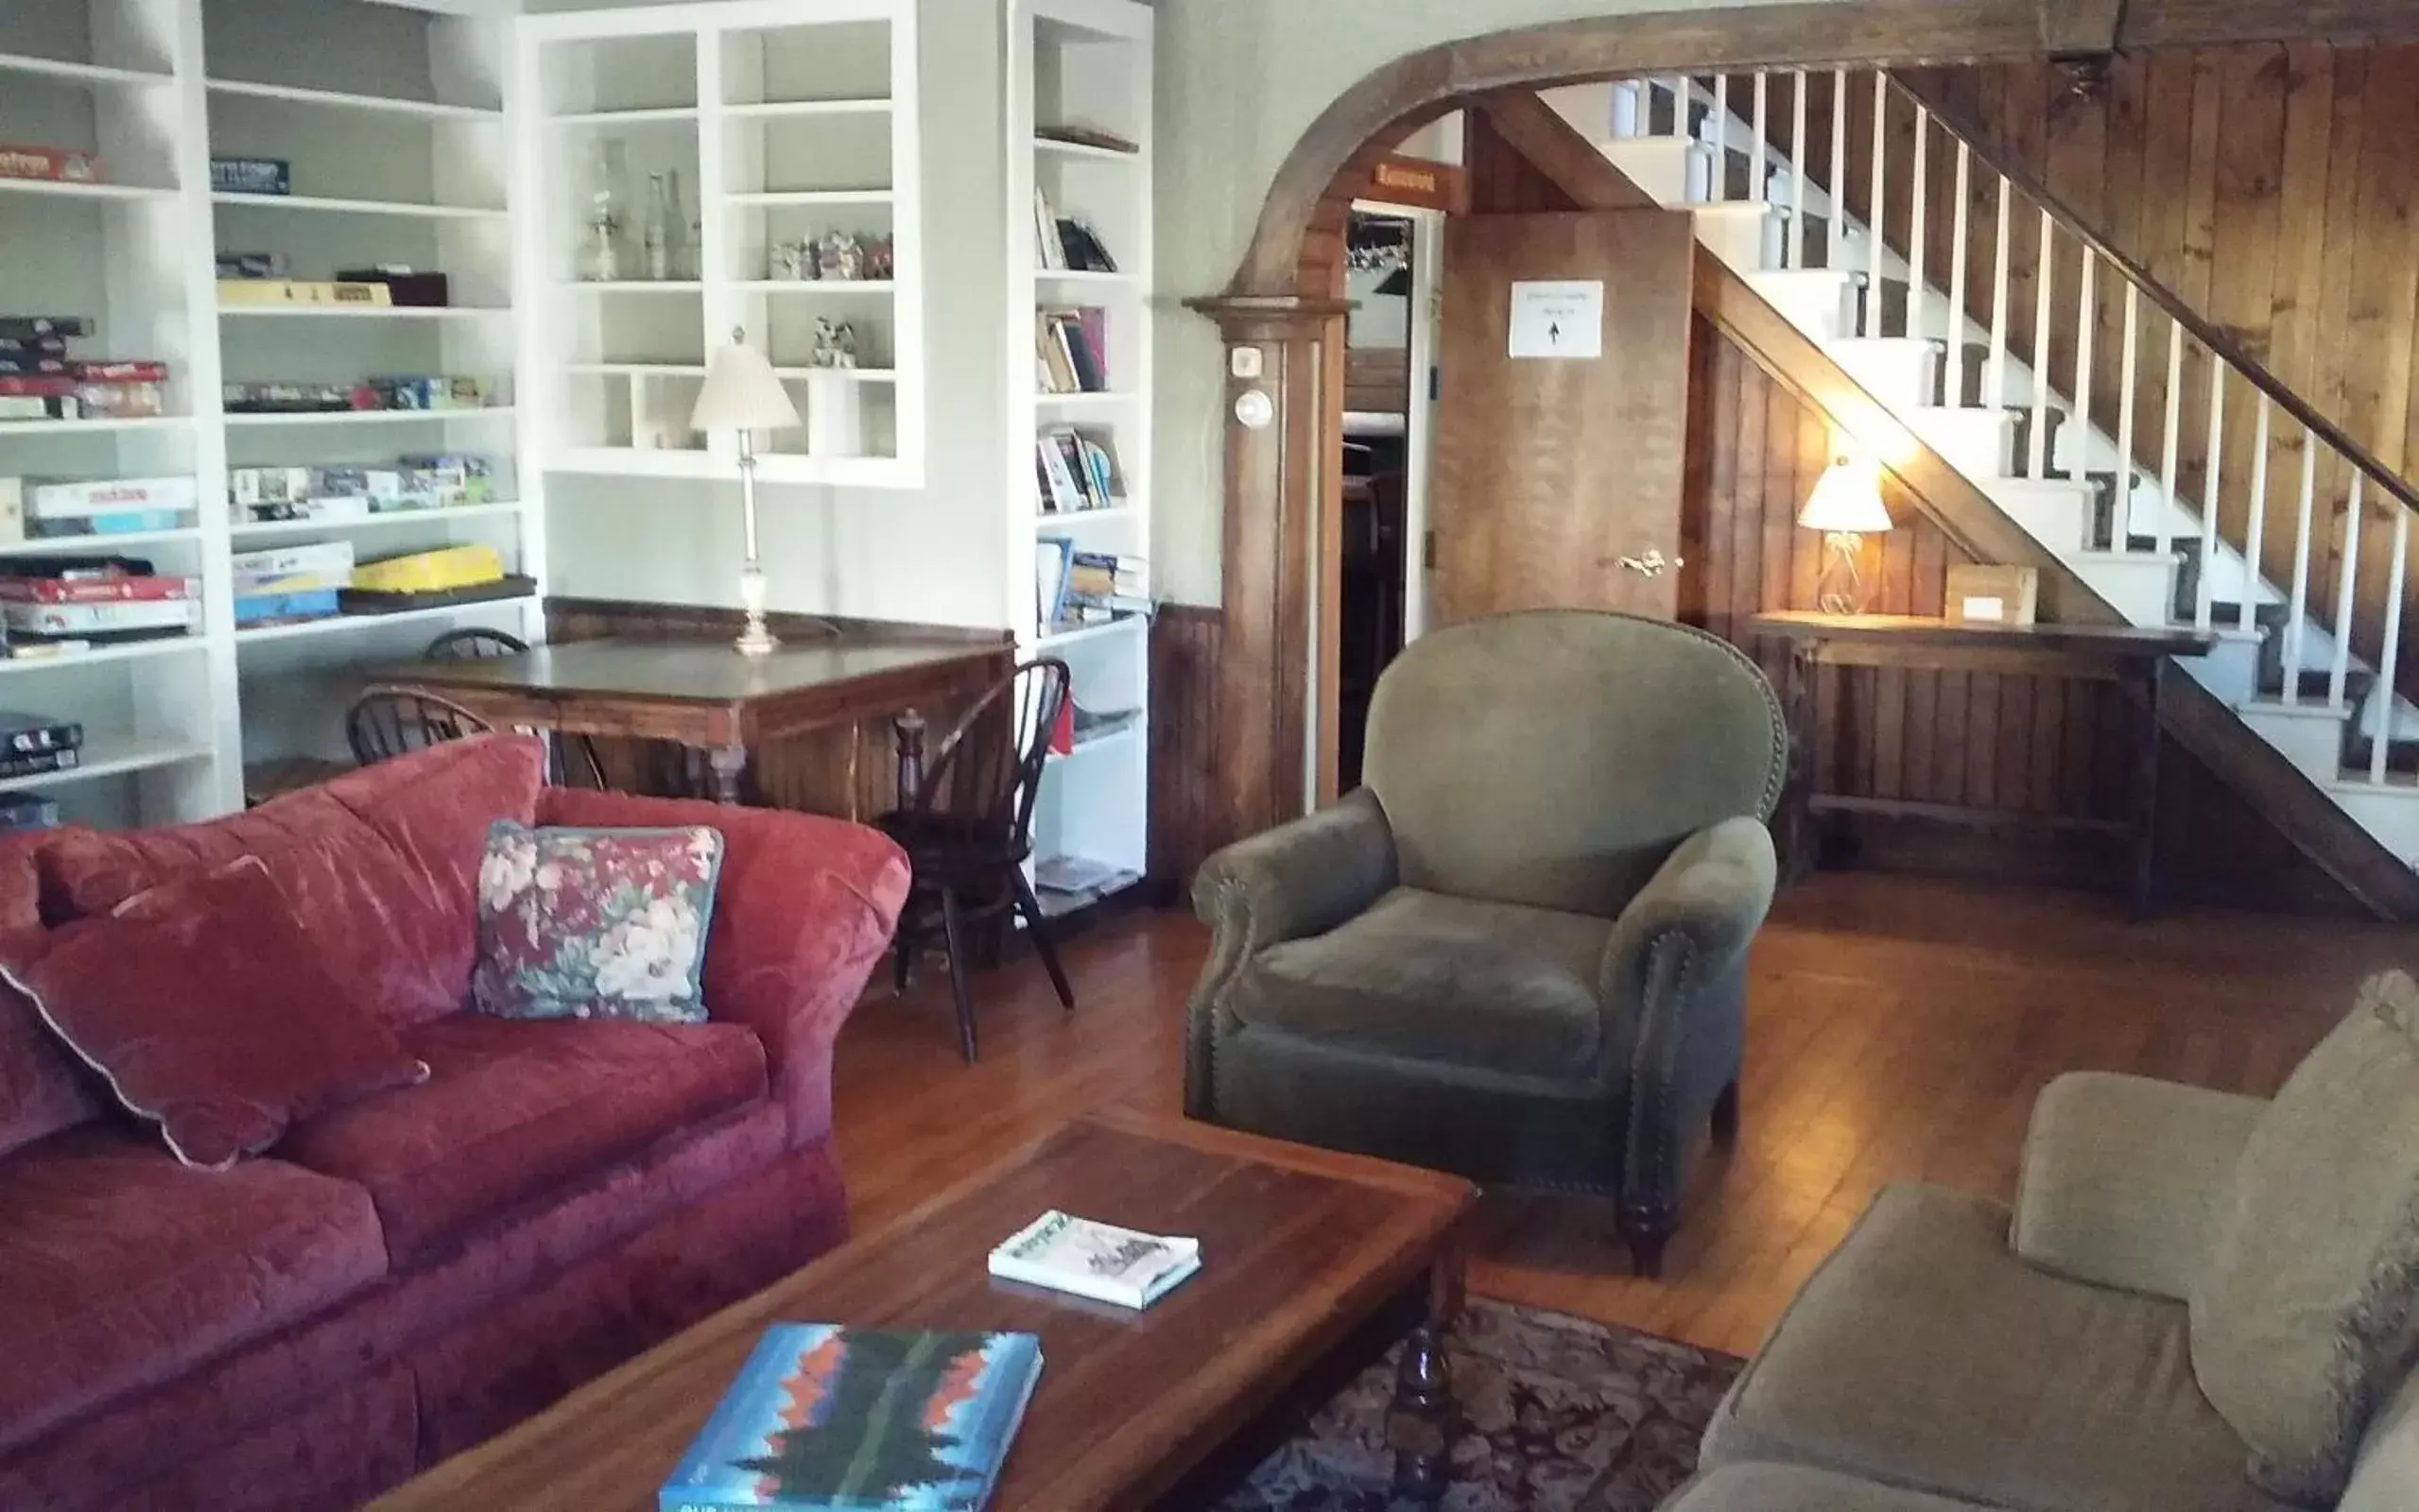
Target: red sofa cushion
[(42, 1088), (517, 1112), (124, 1268), (212, 1015), (381, 865)]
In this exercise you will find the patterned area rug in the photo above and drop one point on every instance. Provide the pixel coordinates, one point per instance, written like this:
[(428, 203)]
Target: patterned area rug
[(1559, 1415)]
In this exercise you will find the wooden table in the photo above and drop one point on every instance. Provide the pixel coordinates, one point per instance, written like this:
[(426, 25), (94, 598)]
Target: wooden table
[(1299, 1246), (702, 694), (2130, 655)]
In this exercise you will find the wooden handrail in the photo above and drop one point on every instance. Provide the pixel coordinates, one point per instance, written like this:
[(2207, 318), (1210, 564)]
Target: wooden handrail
[(2223, 347)]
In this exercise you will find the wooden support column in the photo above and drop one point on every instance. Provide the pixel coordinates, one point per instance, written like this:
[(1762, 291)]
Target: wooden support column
[(1273, 481)]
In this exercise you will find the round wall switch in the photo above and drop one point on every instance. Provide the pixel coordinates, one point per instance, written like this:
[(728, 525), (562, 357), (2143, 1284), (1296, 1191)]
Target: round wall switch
[(1255, 410)]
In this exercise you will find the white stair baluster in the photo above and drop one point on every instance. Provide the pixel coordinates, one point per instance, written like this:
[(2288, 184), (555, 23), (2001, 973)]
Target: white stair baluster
[(2298, 607), (1625, 108), (2212, 490), (1839, 169), (1877, 210), (1995, 363), (1915, 322), (1794, 256), (2389, 663), (2037, 457), (1718, 133), (2128, 362), (2345, 594), (1955, 362), (1677, 86), (2168, 499), (2086, 300), (2255, 544), (1758, 188)]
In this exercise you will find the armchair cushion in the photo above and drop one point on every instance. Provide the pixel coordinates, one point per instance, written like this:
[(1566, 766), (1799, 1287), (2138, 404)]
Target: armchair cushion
[(1796, 1489), (1421, 976), (1924, 1354), (2125, 1179), (1298, 879), (2308, 1312)]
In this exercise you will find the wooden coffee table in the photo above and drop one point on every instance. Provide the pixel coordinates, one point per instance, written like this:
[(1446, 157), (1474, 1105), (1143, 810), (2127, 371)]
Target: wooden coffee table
[(1298, 1248)]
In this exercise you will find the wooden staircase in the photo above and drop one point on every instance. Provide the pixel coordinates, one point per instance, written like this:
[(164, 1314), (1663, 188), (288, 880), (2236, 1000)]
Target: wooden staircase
[(2108, 494)]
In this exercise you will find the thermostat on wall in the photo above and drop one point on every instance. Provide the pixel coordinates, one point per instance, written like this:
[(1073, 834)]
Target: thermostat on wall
[(1254, 409)]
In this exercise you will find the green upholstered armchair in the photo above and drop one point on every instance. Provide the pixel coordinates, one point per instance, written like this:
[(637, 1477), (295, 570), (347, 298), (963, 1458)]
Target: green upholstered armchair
[(1519, 952)]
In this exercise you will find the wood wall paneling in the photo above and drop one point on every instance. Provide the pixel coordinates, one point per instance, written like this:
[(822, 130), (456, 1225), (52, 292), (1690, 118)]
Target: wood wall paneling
[(1185, 821)]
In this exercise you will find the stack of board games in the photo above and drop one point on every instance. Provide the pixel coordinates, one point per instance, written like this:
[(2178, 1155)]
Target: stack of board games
[(431, 480), (415, 391), (30, 745), (65, 604), (42, 377), (824, 1417), (286, 584), (48, 508)]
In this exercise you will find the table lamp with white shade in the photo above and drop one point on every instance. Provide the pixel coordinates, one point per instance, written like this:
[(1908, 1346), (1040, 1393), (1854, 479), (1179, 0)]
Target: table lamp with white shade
[(742, 394), (1846, 507)]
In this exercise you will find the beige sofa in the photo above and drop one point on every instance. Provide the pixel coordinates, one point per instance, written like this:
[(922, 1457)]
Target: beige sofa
[(2200, 1303)]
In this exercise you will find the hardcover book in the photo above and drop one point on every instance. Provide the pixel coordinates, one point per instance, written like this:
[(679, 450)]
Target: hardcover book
[(826, 1418), (1096, 1260), (30, 734)]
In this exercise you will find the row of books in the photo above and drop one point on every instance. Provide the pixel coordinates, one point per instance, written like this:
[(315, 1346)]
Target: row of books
[(1070, 349), (1077, 473), (1065, 245), (823, 1417), (1087, 587)]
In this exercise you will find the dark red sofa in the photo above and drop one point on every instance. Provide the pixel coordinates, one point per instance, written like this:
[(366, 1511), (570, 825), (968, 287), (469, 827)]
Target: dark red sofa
[(402, 1278)]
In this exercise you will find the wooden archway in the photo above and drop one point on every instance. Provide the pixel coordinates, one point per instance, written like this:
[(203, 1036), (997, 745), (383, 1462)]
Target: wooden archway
[(1282, 302)]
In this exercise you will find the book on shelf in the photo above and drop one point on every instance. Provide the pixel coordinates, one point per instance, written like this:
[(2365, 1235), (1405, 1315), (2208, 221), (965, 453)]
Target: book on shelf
[(65, 758), (34, 328), (1073, 134), (51, 164), (1047, 243), (23, 813), (1063, 244), (1098, 1260), (1072, 346), (824, 1418), (1052, 558), (31, 734), (1076, 472)]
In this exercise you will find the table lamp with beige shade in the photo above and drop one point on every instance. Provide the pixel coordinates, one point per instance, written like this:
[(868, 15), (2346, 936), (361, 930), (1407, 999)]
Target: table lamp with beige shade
[(1846, 507), (742, 394)]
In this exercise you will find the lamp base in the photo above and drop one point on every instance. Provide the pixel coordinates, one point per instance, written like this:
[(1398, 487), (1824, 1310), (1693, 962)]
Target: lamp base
[(1842, 588), (757, 639)]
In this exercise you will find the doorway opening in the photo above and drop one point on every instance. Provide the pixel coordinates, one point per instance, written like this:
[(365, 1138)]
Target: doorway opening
[(1389, 382)]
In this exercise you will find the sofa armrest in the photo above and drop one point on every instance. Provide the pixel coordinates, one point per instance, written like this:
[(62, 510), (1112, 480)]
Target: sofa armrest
[(803, 911), (2125, 1179), (1296, 879), (1669, 990)]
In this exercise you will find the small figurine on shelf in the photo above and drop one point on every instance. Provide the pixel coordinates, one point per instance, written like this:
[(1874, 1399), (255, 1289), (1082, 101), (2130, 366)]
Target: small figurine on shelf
[(601, 252), (881, 259), (794, 262), (841, 258), (835, 344)]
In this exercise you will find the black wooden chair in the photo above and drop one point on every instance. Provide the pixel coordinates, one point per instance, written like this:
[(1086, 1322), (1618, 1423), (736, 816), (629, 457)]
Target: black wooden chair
[(567, 756), (969, 831), (384, 723)]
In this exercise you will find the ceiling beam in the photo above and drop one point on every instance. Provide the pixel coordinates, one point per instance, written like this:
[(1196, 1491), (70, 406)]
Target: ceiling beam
[(2071, 28)]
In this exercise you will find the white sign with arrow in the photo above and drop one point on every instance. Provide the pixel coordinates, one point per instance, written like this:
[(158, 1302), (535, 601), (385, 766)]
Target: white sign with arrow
[(1558, 320)]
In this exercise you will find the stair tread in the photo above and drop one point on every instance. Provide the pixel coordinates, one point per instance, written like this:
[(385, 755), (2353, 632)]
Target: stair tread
[(2269, 704)]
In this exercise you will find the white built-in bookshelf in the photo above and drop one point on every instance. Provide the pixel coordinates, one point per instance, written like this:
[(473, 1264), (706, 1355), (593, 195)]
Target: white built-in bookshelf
[(783, 125), (397, 117), (1085, 64)]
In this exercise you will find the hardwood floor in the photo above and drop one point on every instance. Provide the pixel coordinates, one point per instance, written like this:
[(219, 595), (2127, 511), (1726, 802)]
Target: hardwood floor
[(1900, 1030)]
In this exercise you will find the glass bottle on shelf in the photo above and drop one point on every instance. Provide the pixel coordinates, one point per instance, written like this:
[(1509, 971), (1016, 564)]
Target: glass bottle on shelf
[(600, 245), (657, 236)]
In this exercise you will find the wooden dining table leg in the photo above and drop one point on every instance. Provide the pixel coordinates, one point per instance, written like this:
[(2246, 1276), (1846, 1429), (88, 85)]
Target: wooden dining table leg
[(728, 763), (1425, 1420), (907, 733)]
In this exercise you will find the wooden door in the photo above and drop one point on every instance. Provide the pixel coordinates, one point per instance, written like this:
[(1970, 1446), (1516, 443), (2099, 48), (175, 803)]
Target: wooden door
[(1550, 471)]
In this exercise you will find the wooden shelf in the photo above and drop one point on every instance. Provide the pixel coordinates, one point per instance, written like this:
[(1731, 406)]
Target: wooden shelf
[(395, 519), (773, 197), (630, 285), (1105, 400), (125, 651), (775, 110), (84, 191), (98, 545), (862, 375), (102, 74), (326, 205), (107, 755), (1084, 149), (642, 116), (372, 417), (346, 624), (96, 427), (635, 369), (364, 312), (1081, 634), (1069, 275), (834, 286), (344, 100), (1072, 517)]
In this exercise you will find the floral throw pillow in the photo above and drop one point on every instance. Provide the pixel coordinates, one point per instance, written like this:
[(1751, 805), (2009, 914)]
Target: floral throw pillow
[(594, 923)]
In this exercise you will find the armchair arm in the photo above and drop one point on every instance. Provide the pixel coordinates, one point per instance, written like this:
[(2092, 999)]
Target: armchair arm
[(2125, 1179), (1296, 879), (1672, 998), (803, 910)]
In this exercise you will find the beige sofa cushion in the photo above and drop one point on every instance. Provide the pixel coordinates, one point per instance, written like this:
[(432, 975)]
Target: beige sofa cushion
[(1790, 1488), (2386, 1479), (2303, 1318), (1924, 1354)]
